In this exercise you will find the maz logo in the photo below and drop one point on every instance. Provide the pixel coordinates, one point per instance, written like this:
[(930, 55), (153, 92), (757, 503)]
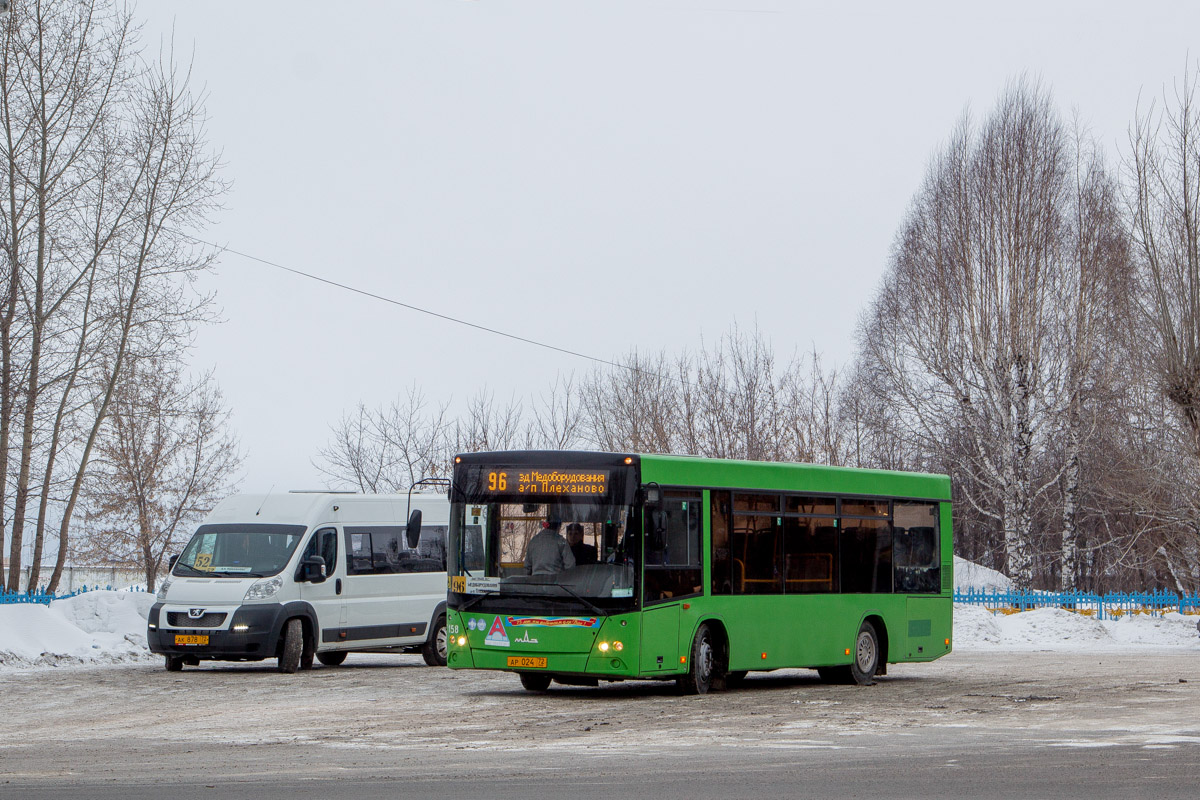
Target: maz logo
[(526, 640)]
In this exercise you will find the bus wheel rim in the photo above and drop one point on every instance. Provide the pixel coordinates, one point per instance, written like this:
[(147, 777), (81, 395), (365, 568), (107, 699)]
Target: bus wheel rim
[(865, 654), (706, 658)]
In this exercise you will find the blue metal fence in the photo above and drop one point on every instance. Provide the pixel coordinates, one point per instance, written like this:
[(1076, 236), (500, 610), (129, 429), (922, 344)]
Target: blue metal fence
[(42, 596), (1108, 606)]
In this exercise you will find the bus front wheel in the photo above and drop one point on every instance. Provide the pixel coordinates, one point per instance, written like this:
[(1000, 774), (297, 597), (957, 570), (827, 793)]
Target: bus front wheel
[(535, 681), (699, 676)]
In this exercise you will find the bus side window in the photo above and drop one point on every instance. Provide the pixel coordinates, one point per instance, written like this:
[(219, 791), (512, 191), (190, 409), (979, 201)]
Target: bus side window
[(917, 556), (672, 554)]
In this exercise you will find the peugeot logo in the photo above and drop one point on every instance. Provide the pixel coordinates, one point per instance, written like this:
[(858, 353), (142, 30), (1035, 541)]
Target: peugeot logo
[(195, 613)]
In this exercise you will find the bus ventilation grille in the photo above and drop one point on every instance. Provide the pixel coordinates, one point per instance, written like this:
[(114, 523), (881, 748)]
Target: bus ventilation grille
[(947, 579)]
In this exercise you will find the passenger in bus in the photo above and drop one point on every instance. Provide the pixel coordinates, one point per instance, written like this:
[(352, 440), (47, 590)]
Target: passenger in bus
[(548, 552), (584, 553)]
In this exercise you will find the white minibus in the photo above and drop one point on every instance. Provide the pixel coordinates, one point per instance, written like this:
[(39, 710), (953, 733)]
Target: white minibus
[(307, 574)]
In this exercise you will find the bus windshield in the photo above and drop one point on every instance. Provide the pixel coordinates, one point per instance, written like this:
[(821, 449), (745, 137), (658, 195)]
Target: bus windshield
[(550, 554), (238, 551)]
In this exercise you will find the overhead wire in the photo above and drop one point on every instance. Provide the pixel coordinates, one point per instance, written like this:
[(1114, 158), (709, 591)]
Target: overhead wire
[(438, 315)]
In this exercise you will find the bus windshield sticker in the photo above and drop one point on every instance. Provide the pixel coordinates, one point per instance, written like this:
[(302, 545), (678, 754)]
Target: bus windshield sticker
[(480, 585), (555, 622), (626, 592)]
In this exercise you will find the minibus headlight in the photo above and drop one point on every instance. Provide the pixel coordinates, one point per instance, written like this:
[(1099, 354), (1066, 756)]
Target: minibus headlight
[(162, 589), (263, 590)]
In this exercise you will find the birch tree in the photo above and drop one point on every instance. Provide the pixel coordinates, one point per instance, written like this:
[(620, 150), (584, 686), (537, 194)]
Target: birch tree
[(957, 333)]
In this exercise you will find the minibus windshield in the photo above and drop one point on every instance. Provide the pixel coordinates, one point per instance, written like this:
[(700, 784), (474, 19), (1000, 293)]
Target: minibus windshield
[(239, 551)]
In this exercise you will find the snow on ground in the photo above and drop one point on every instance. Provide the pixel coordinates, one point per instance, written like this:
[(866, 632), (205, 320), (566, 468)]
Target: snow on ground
[(976, 628), (107, 627), (969, 575), (100, 627)]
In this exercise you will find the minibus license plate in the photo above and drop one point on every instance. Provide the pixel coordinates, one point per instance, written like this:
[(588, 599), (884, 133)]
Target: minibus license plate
[(527, 662), (183, 639)]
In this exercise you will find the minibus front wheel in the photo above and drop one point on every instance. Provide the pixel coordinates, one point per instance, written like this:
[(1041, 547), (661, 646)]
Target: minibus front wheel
[(292, 647)]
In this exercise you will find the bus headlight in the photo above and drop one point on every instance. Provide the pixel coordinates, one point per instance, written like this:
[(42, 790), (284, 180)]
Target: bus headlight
[(604, 647), (462, 641)]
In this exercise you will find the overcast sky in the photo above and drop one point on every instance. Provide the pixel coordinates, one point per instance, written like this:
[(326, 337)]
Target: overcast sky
[(599, 175)]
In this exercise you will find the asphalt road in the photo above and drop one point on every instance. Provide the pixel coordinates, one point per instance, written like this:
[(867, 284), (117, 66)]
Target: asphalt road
[(970, 725)]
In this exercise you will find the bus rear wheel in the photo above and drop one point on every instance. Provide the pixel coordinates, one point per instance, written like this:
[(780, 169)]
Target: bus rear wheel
[(866, 656), (699, 677), (535, 681)]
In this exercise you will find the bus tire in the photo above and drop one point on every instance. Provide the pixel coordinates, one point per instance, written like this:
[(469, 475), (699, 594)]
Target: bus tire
[(866, 656), (699, 677), (834, 674), (173, 663), (434, 650), (535, 681), (332, 658), (293, 646)]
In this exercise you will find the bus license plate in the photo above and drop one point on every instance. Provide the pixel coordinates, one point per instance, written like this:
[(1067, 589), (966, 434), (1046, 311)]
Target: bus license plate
[(183, 639), (527, 662)]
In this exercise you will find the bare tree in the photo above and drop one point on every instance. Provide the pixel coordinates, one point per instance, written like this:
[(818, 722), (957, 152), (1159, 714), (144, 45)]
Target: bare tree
[(106, 169), (389, 449), (957, 333), (163, 460)]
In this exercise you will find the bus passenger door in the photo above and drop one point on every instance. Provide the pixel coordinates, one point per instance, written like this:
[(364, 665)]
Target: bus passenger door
[(660, 639)]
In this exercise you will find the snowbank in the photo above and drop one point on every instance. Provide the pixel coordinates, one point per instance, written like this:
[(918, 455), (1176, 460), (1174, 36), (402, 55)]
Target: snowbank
[(100, 627), (975, 628), (969, 575)]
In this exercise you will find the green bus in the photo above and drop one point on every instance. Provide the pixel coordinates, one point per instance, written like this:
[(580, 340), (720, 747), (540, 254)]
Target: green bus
[(580, 567)]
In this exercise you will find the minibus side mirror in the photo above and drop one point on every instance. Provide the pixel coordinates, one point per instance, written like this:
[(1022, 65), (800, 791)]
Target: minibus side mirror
[(314, 569), (413, 534), (171, 563)]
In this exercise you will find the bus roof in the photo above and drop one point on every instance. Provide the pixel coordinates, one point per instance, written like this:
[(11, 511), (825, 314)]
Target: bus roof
[(732, 474), (787, 476)]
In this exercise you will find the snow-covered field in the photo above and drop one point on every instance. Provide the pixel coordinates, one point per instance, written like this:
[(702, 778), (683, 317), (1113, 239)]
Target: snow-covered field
[(108, 627)]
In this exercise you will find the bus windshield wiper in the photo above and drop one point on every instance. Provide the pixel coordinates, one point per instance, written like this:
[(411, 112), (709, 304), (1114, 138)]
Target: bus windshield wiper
[(583, 600), (475, 600)]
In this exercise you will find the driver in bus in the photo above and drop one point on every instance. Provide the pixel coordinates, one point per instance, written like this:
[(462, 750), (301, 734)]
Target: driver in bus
[(548, 552)]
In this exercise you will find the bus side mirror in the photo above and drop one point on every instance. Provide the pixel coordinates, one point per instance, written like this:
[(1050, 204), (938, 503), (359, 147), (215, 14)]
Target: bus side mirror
[(413, 534), (314, 569), (171, 562)]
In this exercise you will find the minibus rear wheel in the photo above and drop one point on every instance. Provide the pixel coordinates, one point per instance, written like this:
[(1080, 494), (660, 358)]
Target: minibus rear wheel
[(173, 663)]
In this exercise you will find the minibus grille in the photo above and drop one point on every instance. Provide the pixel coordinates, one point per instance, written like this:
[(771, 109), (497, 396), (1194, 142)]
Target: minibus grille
[(180, 619)]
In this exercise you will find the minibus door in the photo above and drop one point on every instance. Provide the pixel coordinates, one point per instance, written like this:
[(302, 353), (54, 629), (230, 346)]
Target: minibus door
[(326, 596)]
